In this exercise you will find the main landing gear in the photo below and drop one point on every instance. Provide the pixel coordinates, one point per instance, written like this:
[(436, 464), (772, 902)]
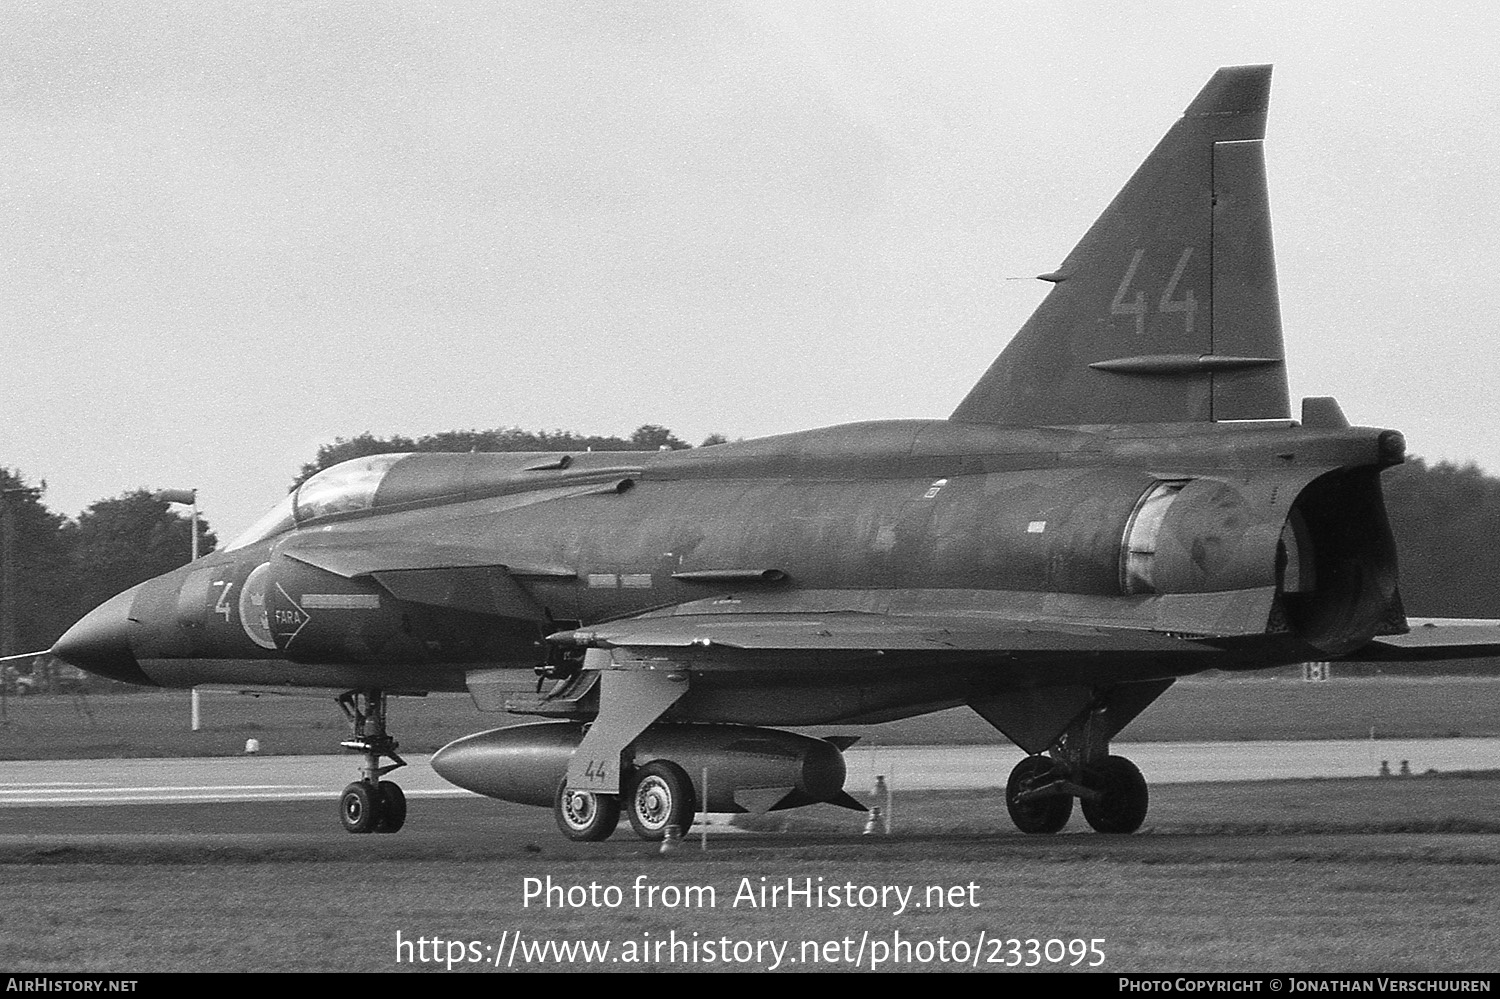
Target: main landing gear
[(657, 795), (1041, 790), (371, 804), (1111, 790)]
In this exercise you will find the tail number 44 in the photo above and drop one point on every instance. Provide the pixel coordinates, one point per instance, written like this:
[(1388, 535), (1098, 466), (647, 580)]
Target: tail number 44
[(1123, 305)]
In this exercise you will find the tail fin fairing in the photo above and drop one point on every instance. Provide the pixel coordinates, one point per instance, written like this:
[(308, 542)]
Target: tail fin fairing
[(1166, 311)]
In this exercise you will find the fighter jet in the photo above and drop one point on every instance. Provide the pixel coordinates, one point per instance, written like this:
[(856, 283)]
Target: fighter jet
[(1122, 499)]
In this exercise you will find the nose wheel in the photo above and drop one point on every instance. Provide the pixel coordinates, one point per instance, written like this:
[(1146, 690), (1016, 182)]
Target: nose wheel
[(371, 804), (379, 808)]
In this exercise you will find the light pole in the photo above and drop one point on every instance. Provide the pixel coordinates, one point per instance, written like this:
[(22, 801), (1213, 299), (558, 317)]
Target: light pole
[(7, 588), (186, 497)]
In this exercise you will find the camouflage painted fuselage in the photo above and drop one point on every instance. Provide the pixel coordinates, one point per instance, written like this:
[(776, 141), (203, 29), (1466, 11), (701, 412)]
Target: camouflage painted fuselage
[(1002, 557)]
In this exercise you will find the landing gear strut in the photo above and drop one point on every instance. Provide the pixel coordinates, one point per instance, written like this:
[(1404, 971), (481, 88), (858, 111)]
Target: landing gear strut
[(371, 804)]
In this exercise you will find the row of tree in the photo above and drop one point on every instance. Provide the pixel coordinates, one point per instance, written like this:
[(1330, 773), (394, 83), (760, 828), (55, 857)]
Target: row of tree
[(1446, 519), (63, 567), (644, 438)]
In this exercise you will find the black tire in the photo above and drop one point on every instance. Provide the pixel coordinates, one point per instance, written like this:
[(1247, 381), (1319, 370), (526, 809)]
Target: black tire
[(584, 816), (1040, 816), (392, 808), (660, 795), (1123, 798), (359, 807)]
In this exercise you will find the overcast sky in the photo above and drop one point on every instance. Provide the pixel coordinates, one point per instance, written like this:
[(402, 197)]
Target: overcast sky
[(234, 232)]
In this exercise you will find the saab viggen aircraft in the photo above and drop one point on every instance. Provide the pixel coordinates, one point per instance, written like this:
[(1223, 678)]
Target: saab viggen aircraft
[(1122, 499)]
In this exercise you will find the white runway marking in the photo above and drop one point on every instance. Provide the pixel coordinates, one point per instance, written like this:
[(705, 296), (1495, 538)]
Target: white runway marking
[(165, 788), (910, 768)]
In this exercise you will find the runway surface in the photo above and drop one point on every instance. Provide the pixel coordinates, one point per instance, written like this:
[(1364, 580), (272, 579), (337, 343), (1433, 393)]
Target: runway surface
[(239, 863), (34, 783), (274, 820)]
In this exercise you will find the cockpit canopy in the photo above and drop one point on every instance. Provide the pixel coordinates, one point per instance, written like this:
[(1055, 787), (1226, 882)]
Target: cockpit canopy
[(346, 487), (405, 480)]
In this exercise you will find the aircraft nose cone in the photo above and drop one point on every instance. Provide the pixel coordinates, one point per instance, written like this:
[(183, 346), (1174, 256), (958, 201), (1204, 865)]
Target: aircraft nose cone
[(100, 641)]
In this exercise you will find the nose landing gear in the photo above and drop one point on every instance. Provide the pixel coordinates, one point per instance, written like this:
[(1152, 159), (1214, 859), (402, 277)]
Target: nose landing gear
[(371, 804)]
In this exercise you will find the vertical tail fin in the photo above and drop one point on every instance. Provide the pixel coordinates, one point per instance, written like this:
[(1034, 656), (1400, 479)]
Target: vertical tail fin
[(1166, 311)]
